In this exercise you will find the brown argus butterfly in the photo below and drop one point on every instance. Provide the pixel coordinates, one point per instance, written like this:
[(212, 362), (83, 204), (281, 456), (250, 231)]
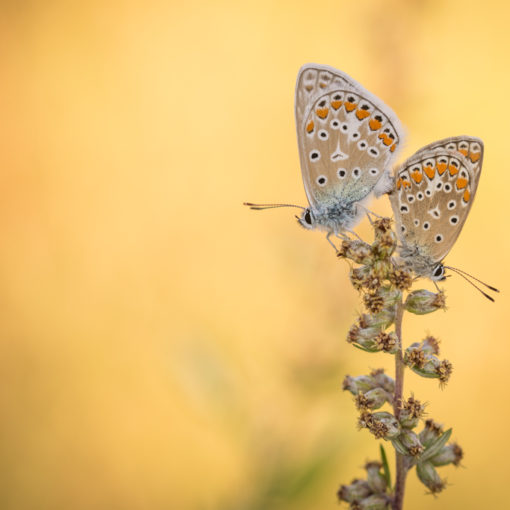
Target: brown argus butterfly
[(347, 140), (434, 191)]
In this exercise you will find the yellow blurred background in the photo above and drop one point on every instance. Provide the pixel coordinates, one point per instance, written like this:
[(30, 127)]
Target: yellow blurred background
[(163, 347)]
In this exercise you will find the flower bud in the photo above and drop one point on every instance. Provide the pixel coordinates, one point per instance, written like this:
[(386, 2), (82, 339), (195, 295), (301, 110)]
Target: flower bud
[(450, 454), (410, 413), (373, 302), (359, 276), (375, 479), (383, 380), (429, 345), (429, 477), (373, 502), (382, 425), (362, 383), (430, 433), (421, 302), (387, 342), (390, 295), (356, 491), (427, 365), (401, 278), (385, 239), (381, 320), (356, 250), (372, 399), (411, 442)]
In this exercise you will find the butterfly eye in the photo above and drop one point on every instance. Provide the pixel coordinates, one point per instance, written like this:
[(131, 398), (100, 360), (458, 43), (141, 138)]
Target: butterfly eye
[(308, 217), (438, 271)]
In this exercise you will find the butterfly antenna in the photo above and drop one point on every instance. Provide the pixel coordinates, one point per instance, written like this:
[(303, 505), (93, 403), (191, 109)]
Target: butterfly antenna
[(261, 207), (469, 281), (473, 277)]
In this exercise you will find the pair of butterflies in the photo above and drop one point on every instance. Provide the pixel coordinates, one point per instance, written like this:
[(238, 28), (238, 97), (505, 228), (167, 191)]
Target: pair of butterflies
[(348, 140)]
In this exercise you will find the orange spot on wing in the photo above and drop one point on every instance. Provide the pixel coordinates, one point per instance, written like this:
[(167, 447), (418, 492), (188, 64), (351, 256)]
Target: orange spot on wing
[(309, 87), (310, 126), (430, 171), (417, 176), (466, 196), (322, 112), (385, 138), (350, 106), (399, 183), (393, 147), (441, 168), (374, 124), (336, 104), (474, 157), (406, 184), (322, 85), (362, 114), (461, 183), (453, 170), (464, 152)]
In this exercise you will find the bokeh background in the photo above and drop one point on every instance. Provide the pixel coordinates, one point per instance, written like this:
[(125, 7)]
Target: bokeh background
[(162, 347)]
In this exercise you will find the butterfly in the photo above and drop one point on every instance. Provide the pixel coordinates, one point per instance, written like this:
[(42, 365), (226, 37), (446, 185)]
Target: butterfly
[(433, 194), (347, 140)]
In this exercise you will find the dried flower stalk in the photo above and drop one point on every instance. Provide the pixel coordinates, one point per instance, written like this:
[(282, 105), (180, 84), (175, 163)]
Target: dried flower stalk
[(382, 281)]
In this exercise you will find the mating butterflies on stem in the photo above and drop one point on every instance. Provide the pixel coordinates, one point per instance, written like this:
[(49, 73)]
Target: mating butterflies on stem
[(348, 140), (433, 193)]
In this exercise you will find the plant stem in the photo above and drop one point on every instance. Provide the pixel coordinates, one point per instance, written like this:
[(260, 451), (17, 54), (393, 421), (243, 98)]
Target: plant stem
[(400, 468)]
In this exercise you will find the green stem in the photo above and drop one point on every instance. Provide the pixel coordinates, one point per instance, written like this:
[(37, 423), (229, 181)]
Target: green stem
[(401, 471)]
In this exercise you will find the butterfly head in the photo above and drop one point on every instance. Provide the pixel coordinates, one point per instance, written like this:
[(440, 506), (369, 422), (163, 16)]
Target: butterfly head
[(437, 274), (306, 219)]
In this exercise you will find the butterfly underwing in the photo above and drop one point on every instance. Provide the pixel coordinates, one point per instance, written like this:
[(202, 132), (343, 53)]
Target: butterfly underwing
[(348, 140), (433, 194)]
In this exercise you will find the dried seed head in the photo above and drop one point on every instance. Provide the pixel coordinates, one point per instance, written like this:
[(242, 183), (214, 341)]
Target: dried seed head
[(414, 357), (362, 383), (401, 279), (444, 371), (372, 399), (411, 412), (382, 226), (382, 425), (383, 380), (449, 454), (430, 345), (353, 334), (430, 433), (373, 502), (356, 250), (373, 302), (390, 295), (387, 342), (429, 477), (375, 479), (421, 302), (359, 276), (412, 442), (355, 491)]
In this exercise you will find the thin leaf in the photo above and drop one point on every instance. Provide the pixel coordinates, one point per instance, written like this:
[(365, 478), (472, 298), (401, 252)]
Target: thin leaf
[(364, 348), (386, 467), (436, 446)]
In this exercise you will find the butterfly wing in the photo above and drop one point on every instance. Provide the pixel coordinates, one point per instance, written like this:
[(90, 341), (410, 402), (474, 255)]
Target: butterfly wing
[(469, 146), (434, 192), (347, 137)]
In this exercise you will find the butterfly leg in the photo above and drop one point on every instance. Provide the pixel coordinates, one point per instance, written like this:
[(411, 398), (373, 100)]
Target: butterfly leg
[(354, 234), (330, 241)]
